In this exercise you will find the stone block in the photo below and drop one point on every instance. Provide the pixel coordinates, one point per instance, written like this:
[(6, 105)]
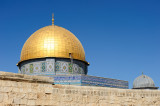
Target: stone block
[(41, 95), (16, 89), (16, 101), (43, 102), (31, 102), (48, 90), (32, 96), (6, 83), (1, 97), (14, 84), (23, 101), (21, 95), (7, 89), (8, 101)]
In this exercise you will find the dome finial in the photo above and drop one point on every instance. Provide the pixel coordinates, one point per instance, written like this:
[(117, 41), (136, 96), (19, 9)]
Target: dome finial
[(52, 18)]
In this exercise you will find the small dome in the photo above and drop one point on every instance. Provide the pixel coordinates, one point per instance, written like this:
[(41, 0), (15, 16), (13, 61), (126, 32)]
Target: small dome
[(144, 82)]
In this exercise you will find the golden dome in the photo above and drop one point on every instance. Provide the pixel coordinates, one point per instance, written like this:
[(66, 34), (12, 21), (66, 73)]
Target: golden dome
[(52, 41)]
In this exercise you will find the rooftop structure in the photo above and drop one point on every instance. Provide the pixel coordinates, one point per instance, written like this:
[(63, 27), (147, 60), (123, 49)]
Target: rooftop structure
[(144, 82), (55, 52)]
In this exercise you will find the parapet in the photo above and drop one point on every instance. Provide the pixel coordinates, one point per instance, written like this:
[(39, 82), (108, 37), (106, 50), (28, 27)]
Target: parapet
[(26, 90), (25, 78)]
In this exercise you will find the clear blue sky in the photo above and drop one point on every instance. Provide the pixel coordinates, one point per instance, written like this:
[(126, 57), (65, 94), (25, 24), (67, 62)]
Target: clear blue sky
[(121, 38)]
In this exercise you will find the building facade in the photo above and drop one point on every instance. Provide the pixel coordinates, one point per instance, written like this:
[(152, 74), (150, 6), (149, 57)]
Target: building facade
[(55, 52)]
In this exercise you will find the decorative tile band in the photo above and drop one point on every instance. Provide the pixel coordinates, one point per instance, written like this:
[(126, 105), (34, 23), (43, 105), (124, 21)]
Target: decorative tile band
[(57, 67), (86, 80)]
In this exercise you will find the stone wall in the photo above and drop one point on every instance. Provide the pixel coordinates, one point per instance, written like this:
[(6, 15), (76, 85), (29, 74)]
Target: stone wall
[(22, 90)]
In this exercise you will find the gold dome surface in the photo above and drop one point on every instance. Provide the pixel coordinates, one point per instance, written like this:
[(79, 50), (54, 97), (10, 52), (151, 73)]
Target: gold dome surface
[(52, 41)]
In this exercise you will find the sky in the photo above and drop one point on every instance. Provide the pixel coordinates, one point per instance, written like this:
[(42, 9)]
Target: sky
[(121, 38)]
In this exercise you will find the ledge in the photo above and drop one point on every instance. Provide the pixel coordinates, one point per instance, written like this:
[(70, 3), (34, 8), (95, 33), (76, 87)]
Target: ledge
[(25, 78)]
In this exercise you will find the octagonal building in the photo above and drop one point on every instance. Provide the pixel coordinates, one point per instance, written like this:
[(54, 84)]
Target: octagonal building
[(55, 52)]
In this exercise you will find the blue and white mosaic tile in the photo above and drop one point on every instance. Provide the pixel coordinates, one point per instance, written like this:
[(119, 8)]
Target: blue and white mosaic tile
[(43, 66), (86, 80)]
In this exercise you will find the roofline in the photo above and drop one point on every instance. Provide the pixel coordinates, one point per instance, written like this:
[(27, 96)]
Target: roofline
[(52, 57), (146, 88)]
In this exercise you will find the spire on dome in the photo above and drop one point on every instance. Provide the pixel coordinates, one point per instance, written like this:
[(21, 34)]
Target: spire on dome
[(52, 19)]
